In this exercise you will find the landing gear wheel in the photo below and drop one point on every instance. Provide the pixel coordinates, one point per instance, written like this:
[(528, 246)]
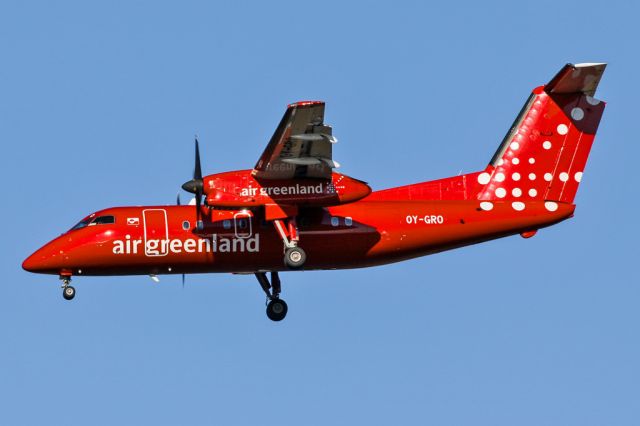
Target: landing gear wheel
[(295, 257), (68, 292), (277, 310)]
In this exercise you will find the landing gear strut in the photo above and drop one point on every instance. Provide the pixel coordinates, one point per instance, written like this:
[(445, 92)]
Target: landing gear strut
[(68, 292), (276, 307), (294, 256)]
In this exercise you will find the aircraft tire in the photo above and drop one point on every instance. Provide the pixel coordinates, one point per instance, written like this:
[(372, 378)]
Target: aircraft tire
[(277, 310), (295, 257), (69, 292)]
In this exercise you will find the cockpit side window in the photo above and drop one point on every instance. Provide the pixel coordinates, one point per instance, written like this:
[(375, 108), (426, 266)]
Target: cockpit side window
[(103, 220), (92, 220)]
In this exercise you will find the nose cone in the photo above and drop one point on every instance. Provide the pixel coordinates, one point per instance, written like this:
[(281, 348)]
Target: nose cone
[(48, 259), (30, 264)]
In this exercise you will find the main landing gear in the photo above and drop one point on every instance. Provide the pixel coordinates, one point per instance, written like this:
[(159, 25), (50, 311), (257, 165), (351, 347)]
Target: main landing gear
[(68, 292), (276, 307), (294, 256)]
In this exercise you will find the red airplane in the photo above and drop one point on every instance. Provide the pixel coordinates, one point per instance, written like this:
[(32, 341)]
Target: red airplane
[(258, 221)]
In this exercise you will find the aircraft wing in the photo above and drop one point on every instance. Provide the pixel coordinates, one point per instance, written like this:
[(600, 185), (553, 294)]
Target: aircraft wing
[(300, 147)]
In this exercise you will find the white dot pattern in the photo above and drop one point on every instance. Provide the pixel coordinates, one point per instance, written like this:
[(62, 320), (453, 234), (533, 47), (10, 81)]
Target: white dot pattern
[(486, 206), (484, 178), (577, 113), (562, 129)]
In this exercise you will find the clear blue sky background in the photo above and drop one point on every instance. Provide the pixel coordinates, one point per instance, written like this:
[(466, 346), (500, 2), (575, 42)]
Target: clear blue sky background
[(98, 107)]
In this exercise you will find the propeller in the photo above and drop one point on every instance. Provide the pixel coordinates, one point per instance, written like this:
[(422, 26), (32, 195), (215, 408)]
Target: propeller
[(196, 185)]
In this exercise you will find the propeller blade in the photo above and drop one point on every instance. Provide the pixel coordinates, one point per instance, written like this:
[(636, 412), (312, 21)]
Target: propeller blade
[(197, 171), (178, 199), (196, 185), (183, 281)]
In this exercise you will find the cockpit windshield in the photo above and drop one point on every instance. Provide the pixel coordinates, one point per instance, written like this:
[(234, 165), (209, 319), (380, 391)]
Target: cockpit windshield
[(81, 224), (94, 220)]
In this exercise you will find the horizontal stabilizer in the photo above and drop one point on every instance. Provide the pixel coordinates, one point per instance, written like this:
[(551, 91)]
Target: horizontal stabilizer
[(579, 78)]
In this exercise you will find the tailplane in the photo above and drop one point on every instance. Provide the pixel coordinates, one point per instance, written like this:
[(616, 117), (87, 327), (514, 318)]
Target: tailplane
[(544, 154)]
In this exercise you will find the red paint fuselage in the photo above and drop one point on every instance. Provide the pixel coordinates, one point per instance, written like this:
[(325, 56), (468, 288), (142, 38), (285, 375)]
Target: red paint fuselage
[(377, 230)]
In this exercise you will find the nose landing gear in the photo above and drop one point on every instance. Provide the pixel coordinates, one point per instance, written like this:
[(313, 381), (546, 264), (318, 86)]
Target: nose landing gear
[(68, 292), (276, 307)]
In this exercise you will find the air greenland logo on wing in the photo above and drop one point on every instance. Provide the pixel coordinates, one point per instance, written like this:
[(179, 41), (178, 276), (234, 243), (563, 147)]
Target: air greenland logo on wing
[(162, 247), (296, 189)]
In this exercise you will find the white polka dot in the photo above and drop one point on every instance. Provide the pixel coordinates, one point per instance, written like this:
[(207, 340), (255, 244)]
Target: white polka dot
[(500, 162), (514, 146), (562, 129), (564, 176), (515, 161), (532, 160), (578, 176), (577, 114), (548, 177), (533, 192), (484, 178), (499, 177), (592, 101), (532, 176), (551, 206), (516, 192), (546, 145), (515, 176), (500, 193), (486, 206), (518, 205)]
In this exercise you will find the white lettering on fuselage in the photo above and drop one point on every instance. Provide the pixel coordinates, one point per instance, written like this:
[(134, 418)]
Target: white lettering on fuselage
[(296, 189), (429, 219), (161, 247)]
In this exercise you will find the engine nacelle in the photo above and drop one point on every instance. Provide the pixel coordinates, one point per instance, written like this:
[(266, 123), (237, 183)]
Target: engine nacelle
[(241, 189)]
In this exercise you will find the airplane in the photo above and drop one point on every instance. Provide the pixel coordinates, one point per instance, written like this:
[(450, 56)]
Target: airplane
[(293, 211)]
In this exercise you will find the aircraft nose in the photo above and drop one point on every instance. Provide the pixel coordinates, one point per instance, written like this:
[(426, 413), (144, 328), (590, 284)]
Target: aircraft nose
[(48, 259), (30, 264)]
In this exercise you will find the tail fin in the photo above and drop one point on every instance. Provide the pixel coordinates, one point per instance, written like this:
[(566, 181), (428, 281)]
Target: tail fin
[(544, 154)]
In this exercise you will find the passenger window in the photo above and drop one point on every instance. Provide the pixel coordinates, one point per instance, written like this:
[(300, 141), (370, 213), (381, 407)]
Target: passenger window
[(226, 224), (335, 221), (348, 221), (186, 225)]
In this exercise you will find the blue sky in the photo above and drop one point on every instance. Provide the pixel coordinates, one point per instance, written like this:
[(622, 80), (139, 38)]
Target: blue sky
[(99, 103)]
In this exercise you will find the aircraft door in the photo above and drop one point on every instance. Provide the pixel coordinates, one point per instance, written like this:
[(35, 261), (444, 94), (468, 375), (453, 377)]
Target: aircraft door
[(156, 232), (242, 224)]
